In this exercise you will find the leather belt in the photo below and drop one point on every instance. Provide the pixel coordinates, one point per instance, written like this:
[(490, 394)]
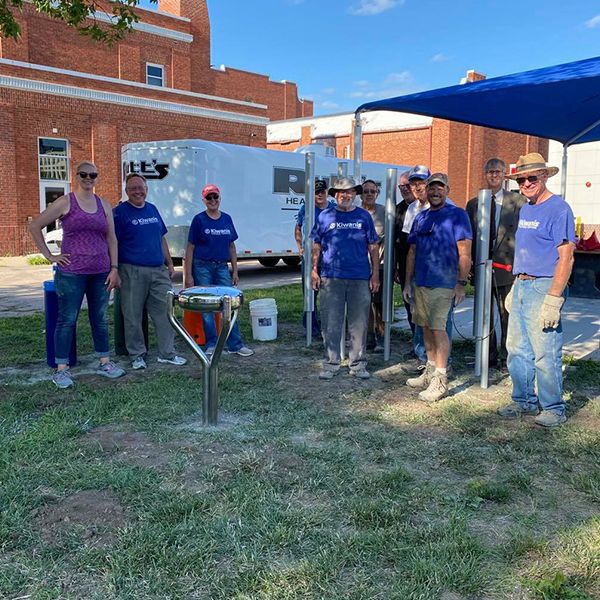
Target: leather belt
[(526, 277)]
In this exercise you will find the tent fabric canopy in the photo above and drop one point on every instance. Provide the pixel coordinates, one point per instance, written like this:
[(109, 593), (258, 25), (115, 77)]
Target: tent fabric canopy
[(560, 102)]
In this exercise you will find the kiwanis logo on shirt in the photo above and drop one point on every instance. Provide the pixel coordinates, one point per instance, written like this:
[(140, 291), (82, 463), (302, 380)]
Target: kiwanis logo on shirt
[(208, 231), (354, 225), (524, 224), (148, 221)]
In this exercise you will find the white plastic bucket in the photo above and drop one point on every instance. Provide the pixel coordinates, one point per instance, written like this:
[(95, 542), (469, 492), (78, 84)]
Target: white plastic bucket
[(263, 313)]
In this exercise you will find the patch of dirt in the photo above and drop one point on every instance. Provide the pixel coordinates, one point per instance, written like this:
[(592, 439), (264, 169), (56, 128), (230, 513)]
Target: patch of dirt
[(95, 516)]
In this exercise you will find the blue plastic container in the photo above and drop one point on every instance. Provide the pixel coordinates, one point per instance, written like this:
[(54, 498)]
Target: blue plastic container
[(51, 310)]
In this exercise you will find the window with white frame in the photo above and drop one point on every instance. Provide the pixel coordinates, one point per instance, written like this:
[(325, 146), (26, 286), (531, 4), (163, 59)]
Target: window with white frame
[(53, 159), (155, 75)]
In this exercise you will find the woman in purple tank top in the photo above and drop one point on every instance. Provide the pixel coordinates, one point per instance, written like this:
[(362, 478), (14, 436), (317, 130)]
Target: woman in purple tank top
[(87, 265)]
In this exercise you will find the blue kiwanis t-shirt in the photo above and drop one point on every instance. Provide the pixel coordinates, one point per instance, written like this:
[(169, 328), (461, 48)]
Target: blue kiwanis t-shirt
[(211, 237), (542, 228), (344, 238), (139, 232), (301, 214), (435, 233)]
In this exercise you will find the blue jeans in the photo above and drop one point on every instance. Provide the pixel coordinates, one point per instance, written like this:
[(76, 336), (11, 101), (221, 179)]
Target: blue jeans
[(419, 341), (70, 289), (534, 354), (207, 272)]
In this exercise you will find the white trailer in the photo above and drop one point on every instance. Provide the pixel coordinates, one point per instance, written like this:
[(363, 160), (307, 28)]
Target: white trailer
[(261, 189)]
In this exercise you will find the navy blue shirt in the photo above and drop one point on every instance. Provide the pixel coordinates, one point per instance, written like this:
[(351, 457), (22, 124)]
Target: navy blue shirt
[(435, 233), (211, 237), (139, 232)]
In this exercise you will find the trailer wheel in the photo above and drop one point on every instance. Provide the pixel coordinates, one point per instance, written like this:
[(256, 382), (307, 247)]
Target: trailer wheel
[(268, 262), (291, 261)]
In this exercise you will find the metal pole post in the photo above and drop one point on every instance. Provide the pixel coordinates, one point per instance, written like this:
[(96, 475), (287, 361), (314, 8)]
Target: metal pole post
[(309, 221), (342, 170), (487, 324), (357, 148), (563, 173), (388, 259), (482, 302)]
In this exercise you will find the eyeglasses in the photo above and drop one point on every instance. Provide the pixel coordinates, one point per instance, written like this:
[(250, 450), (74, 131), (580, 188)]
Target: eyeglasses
[(319, 192), (417, 186), (496, 172), (85, 175), (212, 197), (404, 186), (531, 179), (369, 191)]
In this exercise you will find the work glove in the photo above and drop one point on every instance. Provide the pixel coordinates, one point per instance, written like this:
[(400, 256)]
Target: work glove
[(407, 294), (508, 300), (550, 313)]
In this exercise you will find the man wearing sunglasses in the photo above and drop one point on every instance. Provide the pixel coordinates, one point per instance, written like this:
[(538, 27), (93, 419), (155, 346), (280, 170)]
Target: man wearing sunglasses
[(439, 259), (321, 203), (545, 242), (503, 227)]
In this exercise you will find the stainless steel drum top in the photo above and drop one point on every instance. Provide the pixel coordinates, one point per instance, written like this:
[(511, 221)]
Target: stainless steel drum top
[(209, 298)]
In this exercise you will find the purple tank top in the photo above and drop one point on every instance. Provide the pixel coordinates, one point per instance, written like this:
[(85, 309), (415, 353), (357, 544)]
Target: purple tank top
[(84, 239)]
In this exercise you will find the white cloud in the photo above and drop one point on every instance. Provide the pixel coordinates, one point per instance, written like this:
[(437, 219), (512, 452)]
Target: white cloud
[(362, 83), (328, 91), (329, 105), (593, 22), (367, 8), (394, 84), (394, 78), (439, 57)]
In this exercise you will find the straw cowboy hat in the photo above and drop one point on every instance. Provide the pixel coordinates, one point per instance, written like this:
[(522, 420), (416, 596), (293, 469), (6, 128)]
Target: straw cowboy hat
[(532, 162), (343, 184)]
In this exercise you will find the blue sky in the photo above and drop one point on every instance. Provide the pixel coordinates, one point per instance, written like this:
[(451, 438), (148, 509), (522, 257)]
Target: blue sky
[(342, 53)]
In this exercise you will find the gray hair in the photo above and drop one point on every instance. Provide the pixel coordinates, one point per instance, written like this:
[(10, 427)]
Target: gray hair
[(495, 163)]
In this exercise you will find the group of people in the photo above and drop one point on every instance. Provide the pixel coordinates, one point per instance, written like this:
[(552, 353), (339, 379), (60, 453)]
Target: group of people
[(125, 248), (532, 239)]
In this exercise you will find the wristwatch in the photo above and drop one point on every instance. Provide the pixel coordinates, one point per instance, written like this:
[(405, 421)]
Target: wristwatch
[(462, 282)]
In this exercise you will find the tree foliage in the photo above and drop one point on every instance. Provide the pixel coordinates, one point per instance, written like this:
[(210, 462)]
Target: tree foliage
[(79, 14)]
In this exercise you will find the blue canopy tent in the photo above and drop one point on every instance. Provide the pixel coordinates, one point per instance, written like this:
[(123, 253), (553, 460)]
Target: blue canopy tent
[(561, 103)]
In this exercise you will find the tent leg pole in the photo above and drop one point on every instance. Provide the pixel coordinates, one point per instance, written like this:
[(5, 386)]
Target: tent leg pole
[(563, 181)]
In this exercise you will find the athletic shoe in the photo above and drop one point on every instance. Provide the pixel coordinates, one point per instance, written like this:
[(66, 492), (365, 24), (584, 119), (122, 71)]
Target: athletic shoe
[(327, 374), (62, 379), (138, 363), (437, 388), (209, 351), (361, 373), (110, 370), (514, 411), (424, 379), (550, 419), (174, 360), (243, 351)]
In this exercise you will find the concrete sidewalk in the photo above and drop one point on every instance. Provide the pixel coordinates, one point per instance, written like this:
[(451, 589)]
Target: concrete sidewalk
[(580, 320)]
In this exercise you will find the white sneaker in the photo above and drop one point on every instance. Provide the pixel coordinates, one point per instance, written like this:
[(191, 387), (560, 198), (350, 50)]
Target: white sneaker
[(243, 351), (174, 360), (138, 363)]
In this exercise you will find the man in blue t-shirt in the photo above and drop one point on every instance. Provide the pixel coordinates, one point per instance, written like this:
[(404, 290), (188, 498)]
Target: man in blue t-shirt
[(145, 268), (438, 263), (347, 250), (544, 246), (321, 203)]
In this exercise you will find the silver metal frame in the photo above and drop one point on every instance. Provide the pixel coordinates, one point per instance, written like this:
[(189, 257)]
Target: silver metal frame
[(388, 259), (309, 221), (357, 148), (210, 366)]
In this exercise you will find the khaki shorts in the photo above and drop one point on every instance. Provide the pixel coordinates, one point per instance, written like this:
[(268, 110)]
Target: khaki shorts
[(432, 306)]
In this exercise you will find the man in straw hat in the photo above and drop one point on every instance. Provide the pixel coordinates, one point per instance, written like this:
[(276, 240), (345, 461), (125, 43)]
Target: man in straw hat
[(346, 244), (545, 242)]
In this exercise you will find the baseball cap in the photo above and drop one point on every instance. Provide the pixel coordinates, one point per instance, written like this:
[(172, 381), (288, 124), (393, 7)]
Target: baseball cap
[(320, 185), (211, 188), (438, 178), (419, 172)]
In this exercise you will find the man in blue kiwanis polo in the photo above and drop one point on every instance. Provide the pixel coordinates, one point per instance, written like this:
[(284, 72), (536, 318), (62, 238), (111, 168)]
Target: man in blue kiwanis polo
[(145, 268), (346, 245), (544, 247)]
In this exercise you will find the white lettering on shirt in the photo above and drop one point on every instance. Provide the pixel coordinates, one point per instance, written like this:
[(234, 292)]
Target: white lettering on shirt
[(358, 225), (523, 224), (217, 231), (147, 221)]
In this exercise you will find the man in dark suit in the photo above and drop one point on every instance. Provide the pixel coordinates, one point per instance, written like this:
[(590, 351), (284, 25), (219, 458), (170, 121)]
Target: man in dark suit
[(504, 221)]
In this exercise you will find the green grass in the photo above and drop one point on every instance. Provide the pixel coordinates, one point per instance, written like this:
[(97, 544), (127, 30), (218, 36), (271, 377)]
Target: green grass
[(310, 490), (37, 259)]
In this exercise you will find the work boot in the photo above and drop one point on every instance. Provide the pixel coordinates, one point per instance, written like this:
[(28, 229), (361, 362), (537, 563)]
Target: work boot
[(515, 411), (437, 389), (550, 419), (423, 380)]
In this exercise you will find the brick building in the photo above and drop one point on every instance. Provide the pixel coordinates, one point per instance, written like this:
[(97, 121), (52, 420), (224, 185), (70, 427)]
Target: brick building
[(405, 139), (64, 98)]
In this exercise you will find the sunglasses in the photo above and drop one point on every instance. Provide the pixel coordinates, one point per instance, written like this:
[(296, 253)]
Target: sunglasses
[(531, 179), (85, 175), (212, 197)]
